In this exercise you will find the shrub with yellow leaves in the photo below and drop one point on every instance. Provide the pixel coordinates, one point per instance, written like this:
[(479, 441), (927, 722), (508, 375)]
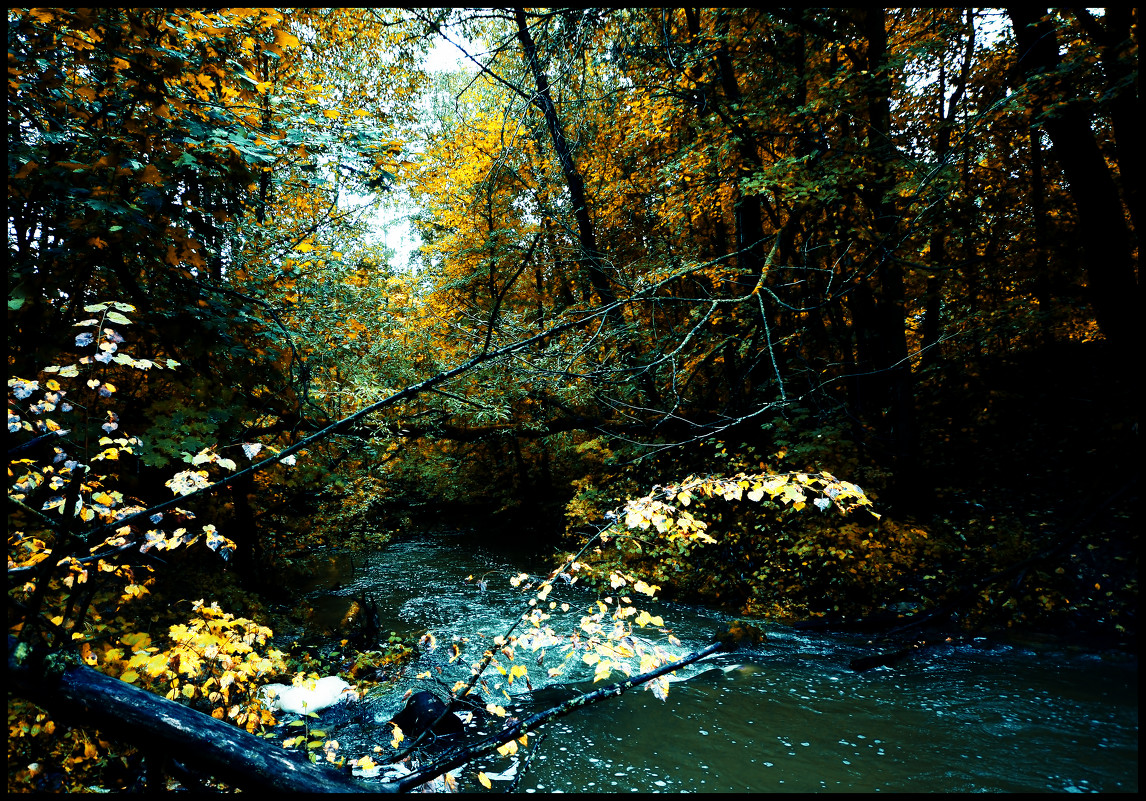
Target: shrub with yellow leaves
[(210, 664)]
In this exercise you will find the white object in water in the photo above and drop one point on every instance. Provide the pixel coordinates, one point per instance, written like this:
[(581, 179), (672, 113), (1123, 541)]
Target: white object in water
[(313, 695)]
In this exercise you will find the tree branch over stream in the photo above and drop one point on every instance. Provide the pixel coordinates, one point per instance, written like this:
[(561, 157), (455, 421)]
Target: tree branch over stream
[(518, 727), (90, 698), (484, 355)]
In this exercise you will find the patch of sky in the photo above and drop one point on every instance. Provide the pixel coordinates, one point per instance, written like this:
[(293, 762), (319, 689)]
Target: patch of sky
[(392, 223)]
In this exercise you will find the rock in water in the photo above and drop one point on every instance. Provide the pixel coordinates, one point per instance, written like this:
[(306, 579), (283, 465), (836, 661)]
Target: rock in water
[(420, 712)]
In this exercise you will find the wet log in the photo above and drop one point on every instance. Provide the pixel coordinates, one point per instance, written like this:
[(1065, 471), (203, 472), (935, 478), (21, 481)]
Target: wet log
[(84, 697)]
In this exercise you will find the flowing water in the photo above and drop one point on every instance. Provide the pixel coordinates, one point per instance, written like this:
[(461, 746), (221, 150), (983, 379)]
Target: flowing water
[(787, 716)]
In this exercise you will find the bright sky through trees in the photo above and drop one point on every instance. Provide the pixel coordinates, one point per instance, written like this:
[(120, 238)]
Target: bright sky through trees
[(392, 223)]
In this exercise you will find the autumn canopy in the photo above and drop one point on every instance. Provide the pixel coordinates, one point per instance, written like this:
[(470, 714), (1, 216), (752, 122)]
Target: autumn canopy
[(803, 313)]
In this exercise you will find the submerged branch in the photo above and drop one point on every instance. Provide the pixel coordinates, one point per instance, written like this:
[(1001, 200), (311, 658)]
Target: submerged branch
[(517, 727)]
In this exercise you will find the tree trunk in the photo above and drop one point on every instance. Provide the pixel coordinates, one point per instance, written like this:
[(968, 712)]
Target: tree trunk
[(86, 697), (883, 307), (1106, 240), (590, 254)]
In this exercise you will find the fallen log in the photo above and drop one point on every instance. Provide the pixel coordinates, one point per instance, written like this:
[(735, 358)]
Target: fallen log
[(85, 697)]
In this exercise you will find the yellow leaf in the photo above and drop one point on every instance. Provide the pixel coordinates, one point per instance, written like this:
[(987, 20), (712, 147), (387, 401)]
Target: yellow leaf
[(136, 640), (485, 782), (284, 39), (331, 113), (156, 665), (645, 619), (647, 589)]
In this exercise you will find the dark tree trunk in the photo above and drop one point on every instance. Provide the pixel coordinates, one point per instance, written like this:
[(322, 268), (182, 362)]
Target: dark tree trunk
[(749, 224), (1106, 239), (591, 257), (248, 558), (882, 310)]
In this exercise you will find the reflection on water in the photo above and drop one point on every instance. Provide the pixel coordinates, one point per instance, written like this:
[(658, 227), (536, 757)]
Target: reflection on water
[(789, 716)]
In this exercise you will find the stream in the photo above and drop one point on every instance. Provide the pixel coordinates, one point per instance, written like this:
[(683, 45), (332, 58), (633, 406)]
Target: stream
[(787, 716)]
